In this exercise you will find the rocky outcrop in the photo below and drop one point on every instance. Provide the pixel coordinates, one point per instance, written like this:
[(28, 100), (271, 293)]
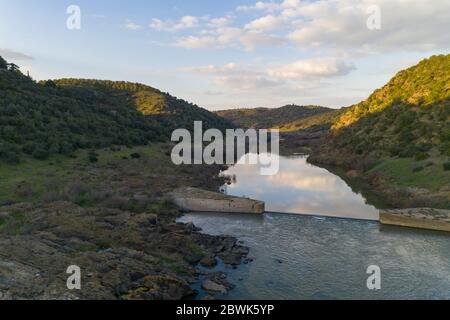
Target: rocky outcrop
[(122, 255), (424, 218)]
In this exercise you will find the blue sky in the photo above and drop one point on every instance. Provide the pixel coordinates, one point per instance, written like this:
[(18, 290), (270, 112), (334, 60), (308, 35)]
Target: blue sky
[(227, 54)]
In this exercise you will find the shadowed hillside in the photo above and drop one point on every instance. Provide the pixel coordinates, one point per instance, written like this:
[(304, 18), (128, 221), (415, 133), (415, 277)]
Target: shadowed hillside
[(61, 116)]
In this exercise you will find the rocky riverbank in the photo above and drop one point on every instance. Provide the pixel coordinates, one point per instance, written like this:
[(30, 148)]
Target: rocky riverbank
[(113, 220)]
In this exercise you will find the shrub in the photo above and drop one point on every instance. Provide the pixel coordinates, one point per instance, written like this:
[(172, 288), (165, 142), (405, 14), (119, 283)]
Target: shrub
[(92, 158), (421, 156), (40, 153), (446, 166), (135, 155)]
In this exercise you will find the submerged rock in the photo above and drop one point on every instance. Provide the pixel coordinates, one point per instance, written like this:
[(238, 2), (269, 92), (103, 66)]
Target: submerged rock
[(209, 285), (208, 262)]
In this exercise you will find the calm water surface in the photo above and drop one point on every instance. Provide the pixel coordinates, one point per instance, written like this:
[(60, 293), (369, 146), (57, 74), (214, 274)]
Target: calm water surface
[(312, 257), (302, 188)]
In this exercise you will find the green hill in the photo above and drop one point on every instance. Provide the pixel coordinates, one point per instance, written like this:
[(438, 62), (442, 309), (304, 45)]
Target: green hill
[(319, 122), (61, 116), (271, 118), (399, 138), (408, 117)]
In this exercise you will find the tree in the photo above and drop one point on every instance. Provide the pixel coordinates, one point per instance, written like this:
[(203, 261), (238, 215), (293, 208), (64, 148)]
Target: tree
[(3, 64), (13, 67)]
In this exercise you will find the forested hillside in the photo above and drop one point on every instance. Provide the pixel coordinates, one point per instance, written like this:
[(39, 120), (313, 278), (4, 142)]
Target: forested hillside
[(408, 117), (399, 138), (59, 117), (271, 118)]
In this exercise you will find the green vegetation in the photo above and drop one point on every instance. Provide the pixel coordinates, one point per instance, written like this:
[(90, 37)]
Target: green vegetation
[(14, 223), (62, 116), (446, 166), (3, 64), (59, 177), (272, 118), (399, 137), (409, 117), (406, 173), (319, 122)]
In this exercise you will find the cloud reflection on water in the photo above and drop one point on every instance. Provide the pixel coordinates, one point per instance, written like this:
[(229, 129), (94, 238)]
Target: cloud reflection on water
[(300, 187)]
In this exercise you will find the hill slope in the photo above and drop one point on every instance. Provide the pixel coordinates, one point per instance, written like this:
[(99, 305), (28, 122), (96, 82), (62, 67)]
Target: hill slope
[(399, 138), (408, 116), (62, 116), (271, 118)]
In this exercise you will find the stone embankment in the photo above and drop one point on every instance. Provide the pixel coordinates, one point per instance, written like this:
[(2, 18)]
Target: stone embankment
[(198, 200), (423, 218)]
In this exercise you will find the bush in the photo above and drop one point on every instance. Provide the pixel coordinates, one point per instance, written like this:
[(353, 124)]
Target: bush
[(9, 153), (421, 156), (93, 158), (135, 156), (40, 153), (446, 166)]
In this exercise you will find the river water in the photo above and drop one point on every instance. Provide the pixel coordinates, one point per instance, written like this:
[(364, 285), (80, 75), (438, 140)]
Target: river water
[(316, 252)]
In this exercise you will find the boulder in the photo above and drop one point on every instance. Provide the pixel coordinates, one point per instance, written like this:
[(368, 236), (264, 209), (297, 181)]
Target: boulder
[(209, 285)]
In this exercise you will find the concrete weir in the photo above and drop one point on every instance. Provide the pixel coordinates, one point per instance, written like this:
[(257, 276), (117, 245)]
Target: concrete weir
[(194, 199), (423, 218)]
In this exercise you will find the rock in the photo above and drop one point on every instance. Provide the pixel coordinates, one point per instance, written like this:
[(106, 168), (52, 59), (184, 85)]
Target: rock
[(208, 262), (233, 259), (4, 215), (6, 203), (417, 191), (353, 173), (209, 285)]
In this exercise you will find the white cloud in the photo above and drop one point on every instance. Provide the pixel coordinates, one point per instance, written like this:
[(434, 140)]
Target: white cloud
[(405, 25), (268, 22), (192, 42), (14, 55), (231, 37), (331, 26), (186, 22), (260, 5), (236, 77), (270, 6), (311, 68), (132, 26), (300, 75), (219, 22)]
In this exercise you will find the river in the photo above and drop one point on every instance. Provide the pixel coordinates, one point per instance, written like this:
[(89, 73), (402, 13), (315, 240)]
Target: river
[(316, 251)]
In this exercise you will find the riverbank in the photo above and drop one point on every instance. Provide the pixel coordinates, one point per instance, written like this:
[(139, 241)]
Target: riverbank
[(387, 182), (107, 212)]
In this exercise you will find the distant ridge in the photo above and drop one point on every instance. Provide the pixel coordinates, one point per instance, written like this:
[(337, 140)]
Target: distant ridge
[(271, 118)]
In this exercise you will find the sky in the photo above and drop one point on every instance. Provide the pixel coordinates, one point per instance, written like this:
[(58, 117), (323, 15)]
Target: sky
[(228, 54)]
